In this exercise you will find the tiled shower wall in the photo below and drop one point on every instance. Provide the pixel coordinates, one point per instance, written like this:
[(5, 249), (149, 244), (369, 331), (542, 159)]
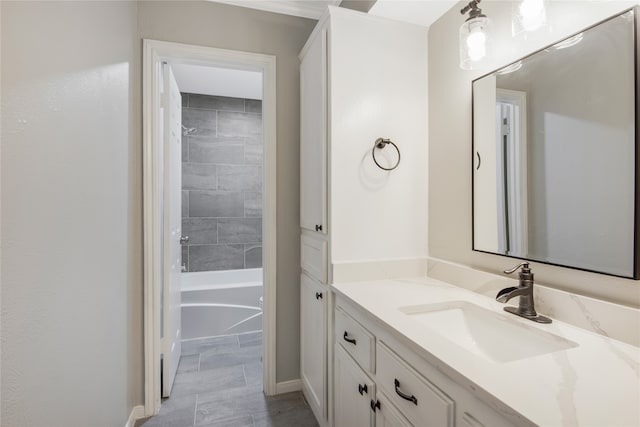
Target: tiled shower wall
[(221, 182)]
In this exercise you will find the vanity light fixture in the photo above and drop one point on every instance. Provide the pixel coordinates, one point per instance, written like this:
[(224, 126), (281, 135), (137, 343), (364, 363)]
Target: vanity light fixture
[(528, 16), (473, 37)]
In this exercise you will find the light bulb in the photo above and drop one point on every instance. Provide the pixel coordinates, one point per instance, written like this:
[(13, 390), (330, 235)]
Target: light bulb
[(477, 43), (532, 14), (474, 42)]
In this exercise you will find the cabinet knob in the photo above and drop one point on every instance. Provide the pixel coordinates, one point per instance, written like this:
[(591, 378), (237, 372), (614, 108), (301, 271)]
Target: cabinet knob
[(362, 389), (375, 404), (318, 227), (318, 295)]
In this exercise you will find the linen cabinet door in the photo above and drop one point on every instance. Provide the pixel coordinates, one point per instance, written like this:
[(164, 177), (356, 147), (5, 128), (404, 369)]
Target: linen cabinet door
[(313, 344), (313, 135)]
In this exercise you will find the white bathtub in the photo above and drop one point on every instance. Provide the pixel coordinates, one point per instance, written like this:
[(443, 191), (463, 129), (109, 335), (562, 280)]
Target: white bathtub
[(221, 303)]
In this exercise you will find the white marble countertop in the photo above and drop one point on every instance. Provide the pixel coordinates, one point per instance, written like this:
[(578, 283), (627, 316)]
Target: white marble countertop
[(596, 383)]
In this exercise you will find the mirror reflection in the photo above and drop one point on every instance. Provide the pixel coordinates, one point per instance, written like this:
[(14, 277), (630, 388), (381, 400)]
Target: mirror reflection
[(554, 140)]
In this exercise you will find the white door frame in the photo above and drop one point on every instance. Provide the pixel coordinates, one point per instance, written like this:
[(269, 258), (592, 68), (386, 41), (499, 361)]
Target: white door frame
[(517, 170), (155, 52)]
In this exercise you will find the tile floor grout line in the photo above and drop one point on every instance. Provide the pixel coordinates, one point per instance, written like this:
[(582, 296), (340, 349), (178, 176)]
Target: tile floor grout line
[(195, 411), (244, 372)]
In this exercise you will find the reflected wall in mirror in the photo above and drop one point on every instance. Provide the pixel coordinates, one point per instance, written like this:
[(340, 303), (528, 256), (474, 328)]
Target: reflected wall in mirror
[(555, 153)]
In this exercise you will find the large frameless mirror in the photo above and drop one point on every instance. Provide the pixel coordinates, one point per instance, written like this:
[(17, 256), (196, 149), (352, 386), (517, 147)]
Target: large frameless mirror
[(555, 153)]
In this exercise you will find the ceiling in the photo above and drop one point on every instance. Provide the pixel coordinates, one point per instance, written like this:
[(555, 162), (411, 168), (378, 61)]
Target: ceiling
[(421, 12), (312, 9), (218, 81)]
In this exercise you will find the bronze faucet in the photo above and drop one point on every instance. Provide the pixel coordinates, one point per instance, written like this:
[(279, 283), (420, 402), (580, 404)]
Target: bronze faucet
[(524, 290)]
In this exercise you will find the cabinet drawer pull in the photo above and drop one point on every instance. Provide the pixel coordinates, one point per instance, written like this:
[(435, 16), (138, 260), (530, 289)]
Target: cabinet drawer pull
[(405, 396), (363, 389), (318, 227), (375, 404), (318, 295), (347, 339)]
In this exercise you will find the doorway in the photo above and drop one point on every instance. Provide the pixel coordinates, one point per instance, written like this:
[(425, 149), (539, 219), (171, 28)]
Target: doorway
[(511, 171), (227, 184)]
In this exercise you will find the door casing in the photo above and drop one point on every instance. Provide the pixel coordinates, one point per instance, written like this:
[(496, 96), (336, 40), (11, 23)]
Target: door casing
[(154, 54)]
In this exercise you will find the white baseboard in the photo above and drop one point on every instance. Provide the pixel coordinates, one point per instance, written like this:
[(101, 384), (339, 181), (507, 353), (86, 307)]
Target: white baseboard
[(137, 412), (288, 386)]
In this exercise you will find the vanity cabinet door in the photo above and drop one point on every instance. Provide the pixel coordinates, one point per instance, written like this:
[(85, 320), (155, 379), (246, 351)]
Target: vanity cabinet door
[(313, 135), (353, 393), (313, 344), (387, 415)]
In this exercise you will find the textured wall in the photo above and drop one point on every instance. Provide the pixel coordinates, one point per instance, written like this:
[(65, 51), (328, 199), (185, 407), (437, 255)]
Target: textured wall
[(71, 214), (221, 182), (231, 27), (377, 214), (71, 174)]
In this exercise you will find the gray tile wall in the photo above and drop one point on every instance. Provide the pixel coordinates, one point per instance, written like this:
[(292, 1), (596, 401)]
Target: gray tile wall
[(221, 182)]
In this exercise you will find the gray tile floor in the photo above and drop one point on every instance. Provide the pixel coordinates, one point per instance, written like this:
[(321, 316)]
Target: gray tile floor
[(219, 384)]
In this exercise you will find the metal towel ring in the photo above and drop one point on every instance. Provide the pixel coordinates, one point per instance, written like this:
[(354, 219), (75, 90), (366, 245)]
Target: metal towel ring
[(381, 143)]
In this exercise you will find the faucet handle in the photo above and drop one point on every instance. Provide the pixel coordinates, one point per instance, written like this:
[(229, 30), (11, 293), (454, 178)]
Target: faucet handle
[(524, 265)]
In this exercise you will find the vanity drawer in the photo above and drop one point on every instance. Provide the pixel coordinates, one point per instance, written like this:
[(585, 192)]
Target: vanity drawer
[(419, 400), (313, 257), (354, 338)]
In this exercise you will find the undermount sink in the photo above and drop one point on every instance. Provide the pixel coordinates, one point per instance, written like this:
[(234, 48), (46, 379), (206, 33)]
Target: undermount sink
[(493, 336)]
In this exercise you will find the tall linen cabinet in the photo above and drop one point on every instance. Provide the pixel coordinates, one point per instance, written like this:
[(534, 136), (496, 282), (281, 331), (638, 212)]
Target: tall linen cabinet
[(361, 78)]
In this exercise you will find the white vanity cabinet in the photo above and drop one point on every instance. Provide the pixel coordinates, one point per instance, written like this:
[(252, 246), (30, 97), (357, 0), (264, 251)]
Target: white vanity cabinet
[(403, 388), (387, 415), (357, 399), (353, 392)]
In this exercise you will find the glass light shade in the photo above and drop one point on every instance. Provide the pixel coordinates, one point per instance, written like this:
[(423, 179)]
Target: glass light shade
[(474, 41), (528, 16)]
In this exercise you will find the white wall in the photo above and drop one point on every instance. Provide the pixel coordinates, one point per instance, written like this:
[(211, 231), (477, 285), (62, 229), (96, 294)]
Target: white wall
[(378, 89), (71, 214), (450, 141), (232, 27)]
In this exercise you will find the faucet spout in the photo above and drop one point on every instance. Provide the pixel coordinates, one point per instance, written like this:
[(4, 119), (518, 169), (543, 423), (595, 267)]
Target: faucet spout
[(506, 294)]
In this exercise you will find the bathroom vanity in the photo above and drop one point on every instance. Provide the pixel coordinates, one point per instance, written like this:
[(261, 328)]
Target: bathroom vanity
[(421, 352), (431, 350)]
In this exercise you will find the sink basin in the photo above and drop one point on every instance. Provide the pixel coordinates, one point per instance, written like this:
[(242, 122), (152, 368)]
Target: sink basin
[(493, 336)]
